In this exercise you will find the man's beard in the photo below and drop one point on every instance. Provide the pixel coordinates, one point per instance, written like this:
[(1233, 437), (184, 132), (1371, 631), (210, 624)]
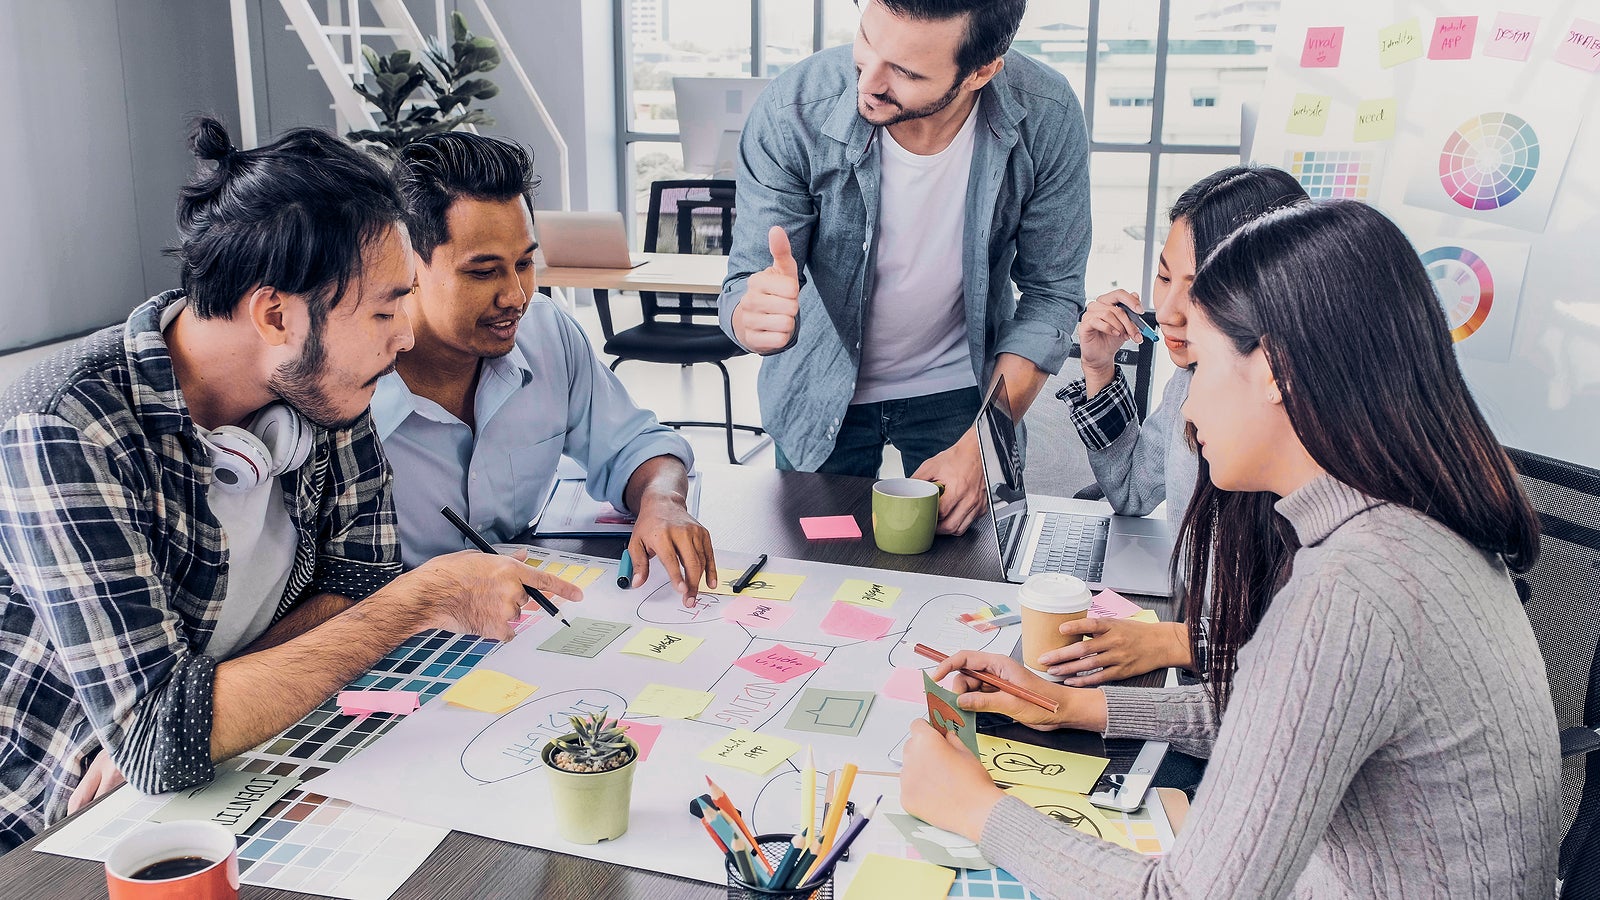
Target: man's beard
[(299, 384), (906, 115)]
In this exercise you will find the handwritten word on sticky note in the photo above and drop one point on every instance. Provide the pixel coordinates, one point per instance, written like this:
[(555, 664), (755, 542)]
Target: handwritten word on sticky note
[(364, 703), (830, 528), (235, 799), (765, 586), (586, 637), (1376, 119), (906, 879), (1581, 46), (851, 621), (643, 733), (754, 753), (866, 593), (1308, 114), (1014, 762), (670, 702), (1453, 37), (779, 663), (486, 690), (1512, 36), (658, 643), (753, 613), (1322, 49), (1399, 43)]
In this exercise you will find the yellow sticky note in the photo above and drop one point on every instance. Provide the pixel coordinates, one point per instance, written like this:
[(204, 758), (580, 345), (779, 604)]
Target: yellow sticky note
[(1145, 615), (1400, 42), (1074, 810), (488, 691), (670, 702), (867, 593), (1013, 762), (903, 879), (588, 576), (749, 751), (535, 561), (1375, 119), (560, 569), (659, 643), (765, 586), (1308, 115)]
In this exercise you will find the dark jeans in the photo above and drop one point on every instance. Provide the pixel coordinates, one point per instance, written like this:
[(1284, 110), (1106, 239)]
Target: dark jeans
[(919, 427)]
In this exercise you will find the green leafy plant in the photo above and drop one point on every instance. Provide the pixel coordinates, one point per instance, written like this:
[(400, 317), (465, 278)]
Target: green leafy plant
[(595, 745), (448, 72)]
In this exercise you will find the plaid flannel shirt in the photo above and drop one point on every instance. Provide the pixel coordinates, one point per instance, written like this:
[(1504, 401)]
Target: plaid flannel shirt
[(1100, 419), (113, 568)]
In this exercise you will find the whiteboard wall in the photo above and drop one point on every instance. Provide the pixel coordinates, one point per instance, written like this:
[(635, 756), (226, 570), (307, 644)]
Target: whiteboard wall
[(1518, 284)]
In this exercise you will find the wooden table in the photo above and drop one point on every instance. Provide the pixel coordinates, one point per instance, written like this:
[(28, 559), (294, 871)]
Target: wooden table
[(684, 273), (746, 509)]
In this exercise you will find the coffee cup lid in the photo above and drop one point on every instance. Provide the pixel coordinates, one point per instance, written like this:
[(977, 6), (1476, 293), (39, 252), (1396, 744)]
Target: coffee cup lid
[(1055, 592)]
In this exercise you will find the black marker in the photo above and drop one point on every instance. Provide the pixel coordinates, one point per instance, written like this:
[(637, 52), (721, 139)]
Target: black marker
[(478, 541), (743, 581)]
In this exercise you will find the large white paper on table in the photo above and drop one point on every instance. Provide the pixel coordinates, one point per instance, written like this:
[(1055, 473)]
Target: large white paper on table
[(481, 773)]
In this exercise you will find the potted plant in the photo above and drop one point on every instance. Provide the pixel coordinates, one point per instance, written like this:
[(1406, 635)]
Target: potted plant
[(446, 71), (591, 779)]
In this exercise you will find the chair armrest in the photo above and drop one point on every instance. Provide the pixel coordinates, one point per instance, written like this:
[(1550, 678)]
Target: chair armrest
[(1576, 741)]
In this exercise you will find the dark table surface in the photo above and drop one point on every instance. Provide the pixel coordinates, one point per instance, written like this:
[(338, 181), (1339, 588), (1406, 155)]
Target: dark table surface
[(753, 510)]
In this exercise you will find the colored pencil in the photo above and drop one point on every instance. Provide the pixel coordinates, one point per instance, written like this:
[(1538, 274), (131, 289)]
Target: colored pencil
[(720, 797), (741, 861), (808, 794), (1015, 690), (823, 866), (830, 827), (786, 865)]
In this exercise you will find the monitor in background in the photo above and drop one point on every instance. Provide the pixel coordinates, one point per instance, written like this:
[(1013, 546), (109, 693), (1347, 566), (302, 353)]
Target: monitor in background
[(711, 113)]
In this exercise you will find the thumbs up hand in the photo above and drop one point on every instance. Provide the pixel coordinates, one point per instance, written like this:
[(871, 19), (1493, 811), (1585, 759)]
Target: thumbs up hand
[(764, 320)]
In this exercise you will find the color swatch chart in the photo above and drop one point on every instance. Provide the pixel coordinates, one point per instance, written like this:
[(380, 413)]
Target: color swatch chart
[(1489, 160), (1464, 285), (1334, 174)]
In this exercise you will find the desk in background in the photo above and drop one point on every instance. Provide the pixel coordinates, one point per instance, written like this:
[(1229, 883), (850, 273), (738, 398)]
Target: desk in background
[(682, 273)]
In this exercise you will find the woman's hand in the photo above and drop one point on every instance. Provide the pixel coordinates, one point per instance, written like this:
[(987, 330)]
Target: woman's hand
[(943, 784), (1102, 330), (1118, 648), (1078, 708)]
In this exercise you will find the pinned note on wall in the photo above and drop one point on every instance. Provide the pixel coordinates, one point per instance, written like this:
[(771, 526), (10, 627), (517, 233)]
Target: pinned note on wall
[(1308, 115), (1322, 49), (1400, 43), (1580, 48), (1512, 36), (1453, 37), (1375, 119)]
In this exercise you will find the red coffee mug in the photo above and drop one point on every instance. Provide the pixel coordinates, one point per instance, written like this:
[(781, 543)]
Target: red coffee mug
[(191, 860)]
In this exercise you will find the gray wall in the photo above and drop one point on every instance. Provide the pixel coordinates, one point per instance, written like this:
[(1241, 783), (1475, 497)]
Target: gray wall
[(96, 93)]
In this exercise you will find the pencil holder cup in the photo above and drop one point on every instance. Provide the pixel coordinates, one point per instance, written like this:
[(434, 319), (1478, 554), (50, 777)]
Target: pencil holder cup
[(773, 847)]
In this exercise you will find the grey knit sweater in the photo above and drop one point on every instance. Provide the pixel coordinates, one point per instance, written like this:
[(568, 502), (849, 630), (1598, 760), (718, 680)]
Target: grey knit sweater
[(1390, 734), (1153, 462)]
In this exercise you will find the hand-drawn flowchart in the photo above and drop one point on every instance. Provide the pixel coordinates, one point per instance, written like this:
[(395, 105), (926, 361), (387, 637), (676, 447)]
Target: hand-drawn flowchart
[(761, 675)]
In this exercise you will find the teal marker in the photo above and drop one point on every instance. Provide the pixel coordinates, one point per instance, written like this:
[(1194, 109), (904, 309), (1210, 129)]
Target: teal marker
[(625, 571), (1140, 323)]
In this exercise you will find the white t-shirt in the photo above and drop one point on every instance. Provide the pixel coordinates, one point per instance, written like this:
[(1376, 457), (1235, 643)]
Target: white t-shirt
[(915, 340)]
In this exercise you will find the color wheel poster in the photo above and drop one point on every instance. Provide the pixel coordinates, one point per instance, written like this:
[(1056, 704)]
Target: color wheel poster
[(1479, 285), (1483, 157)]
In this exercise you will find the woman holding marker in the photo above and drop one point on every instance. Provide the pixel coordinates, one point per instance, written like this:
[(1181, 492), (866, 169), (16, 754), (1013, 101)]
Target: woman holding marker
[(1388, 729)]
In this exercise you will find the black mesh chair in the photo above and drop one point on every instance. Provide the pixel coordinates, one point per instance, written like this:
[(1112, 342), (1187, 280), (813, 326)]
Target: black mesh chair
[(1143, 360), (1561, 595), (693, 216)]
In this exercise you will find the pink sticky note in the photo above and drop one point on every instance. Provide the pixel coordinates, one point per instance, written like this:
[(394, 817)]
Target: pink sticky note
[(850, 620), (1112, 605), (905, 684), (354, 703), (644, 734), (753, 613), (779, 663), (827, 528), (1323, 46), (1581, 46), (1512, 37), (1453, 37)]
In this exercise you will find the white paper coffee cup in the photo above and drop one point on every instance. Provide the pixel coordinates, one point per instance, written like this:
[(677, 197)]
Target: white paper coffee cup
[(1048, 599)]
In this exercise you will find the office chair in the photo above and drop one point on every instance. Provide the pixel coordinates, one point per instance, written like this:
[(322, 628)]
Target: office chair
[(694, 216), (1561, 595), (1143, 360)]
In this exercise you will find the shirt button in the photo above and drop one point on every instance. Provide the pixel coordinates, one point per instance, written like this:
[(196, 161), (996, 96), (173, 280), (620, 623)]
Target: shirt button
[(865, 245)]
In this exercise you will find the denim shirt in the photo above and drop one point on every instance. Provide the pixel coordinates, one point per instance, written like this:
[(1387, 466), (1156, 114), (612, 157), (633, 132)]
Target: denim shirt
[(807, 161)]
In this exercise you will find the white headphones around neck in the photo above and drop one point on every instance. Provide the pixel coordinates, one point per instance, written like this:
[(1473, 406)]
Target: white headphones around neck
[(277, 441)]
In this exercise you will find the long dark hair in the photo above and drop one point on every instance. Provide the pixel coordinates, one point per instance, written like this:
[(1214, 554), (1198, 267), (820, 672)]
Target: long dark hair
[(1358, 344)]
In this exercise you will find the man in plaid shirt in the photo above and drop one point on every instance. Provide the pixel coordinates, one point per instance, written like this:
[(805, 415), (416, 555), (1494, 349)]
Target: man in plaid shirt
[(127, 646)]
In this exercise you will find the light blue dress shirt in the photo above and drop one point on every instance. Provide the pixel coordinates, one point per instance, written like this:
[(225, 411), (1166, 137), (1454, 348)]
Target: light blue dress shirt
[(549, 396)]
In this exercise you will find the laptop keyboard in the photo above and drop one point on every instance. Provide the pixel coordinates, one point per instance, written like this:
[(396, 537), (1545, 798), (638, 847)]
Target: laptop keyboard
[(1072, 544)]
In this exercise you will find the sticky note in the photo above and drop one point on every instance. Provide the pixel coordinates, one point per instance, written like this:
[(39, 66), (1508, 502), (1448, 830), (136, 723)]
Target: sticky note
[(486, 690), (903, 879), (1376, 119), (586, 637), (753, 613), (670, 702), (234, 799), (1073, 809), (1013, 762), (749, 751), (1322, 49), (765, 586), (1453, 37), (1308, 114), (830, 528), (1109, 604), (831, 711), (866, 593), (588, 576), (904, 684), (1145, 615), (991, 618), (947, 716), (1399, 43), (1512, 36), (659, 643), (1581, 46), (779, 663), (851, 621), (643, 733), (362, 703)]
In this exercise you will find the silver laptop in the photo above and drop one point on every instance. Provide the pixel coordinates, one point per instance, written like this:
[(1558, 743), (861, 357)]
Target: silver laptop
[(1058, 534), (584, 240)]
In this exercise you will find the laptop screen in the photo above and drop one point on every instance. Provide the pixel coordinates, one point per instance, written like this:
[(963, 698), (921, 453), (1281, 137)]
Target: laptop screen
[(1002, 465)]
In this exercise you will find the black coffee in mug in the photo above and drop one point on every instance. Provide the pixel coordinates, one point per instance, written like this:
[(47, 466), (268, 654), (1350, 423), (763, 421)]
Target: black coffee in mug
[(173, 868)]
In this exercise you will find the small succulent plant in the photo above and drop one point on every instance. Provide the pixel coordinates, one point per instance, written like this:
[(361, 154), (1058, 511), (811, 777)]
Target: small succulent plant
[(595, 744)]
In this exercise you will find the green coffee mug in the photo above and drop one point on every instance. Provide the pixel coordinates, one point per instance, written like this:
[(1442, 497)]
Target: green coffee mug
[(905, 512)]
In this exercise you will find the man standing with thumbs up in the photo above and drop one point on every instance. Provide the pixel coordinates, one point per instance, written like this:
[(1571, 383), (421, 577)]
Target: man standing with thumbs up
[(890, 194)]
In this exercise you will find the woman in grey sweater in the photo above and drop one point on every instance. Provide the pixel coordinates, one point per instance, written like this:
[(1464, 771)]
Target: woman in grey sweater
[(1388, 730)]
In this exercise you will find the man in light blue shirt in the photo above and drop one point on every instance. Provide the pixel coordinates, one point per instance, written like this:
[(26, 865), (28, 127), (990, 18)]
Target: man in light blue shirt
[(500, 385)]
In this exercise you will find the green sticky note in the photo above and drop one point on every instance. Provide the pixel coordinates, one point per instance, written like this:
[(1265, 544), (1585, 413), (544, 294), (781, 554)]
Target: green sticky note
[(1400, 42), (586, 637), (947, 716), (1375, 119), (1308, 115)]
